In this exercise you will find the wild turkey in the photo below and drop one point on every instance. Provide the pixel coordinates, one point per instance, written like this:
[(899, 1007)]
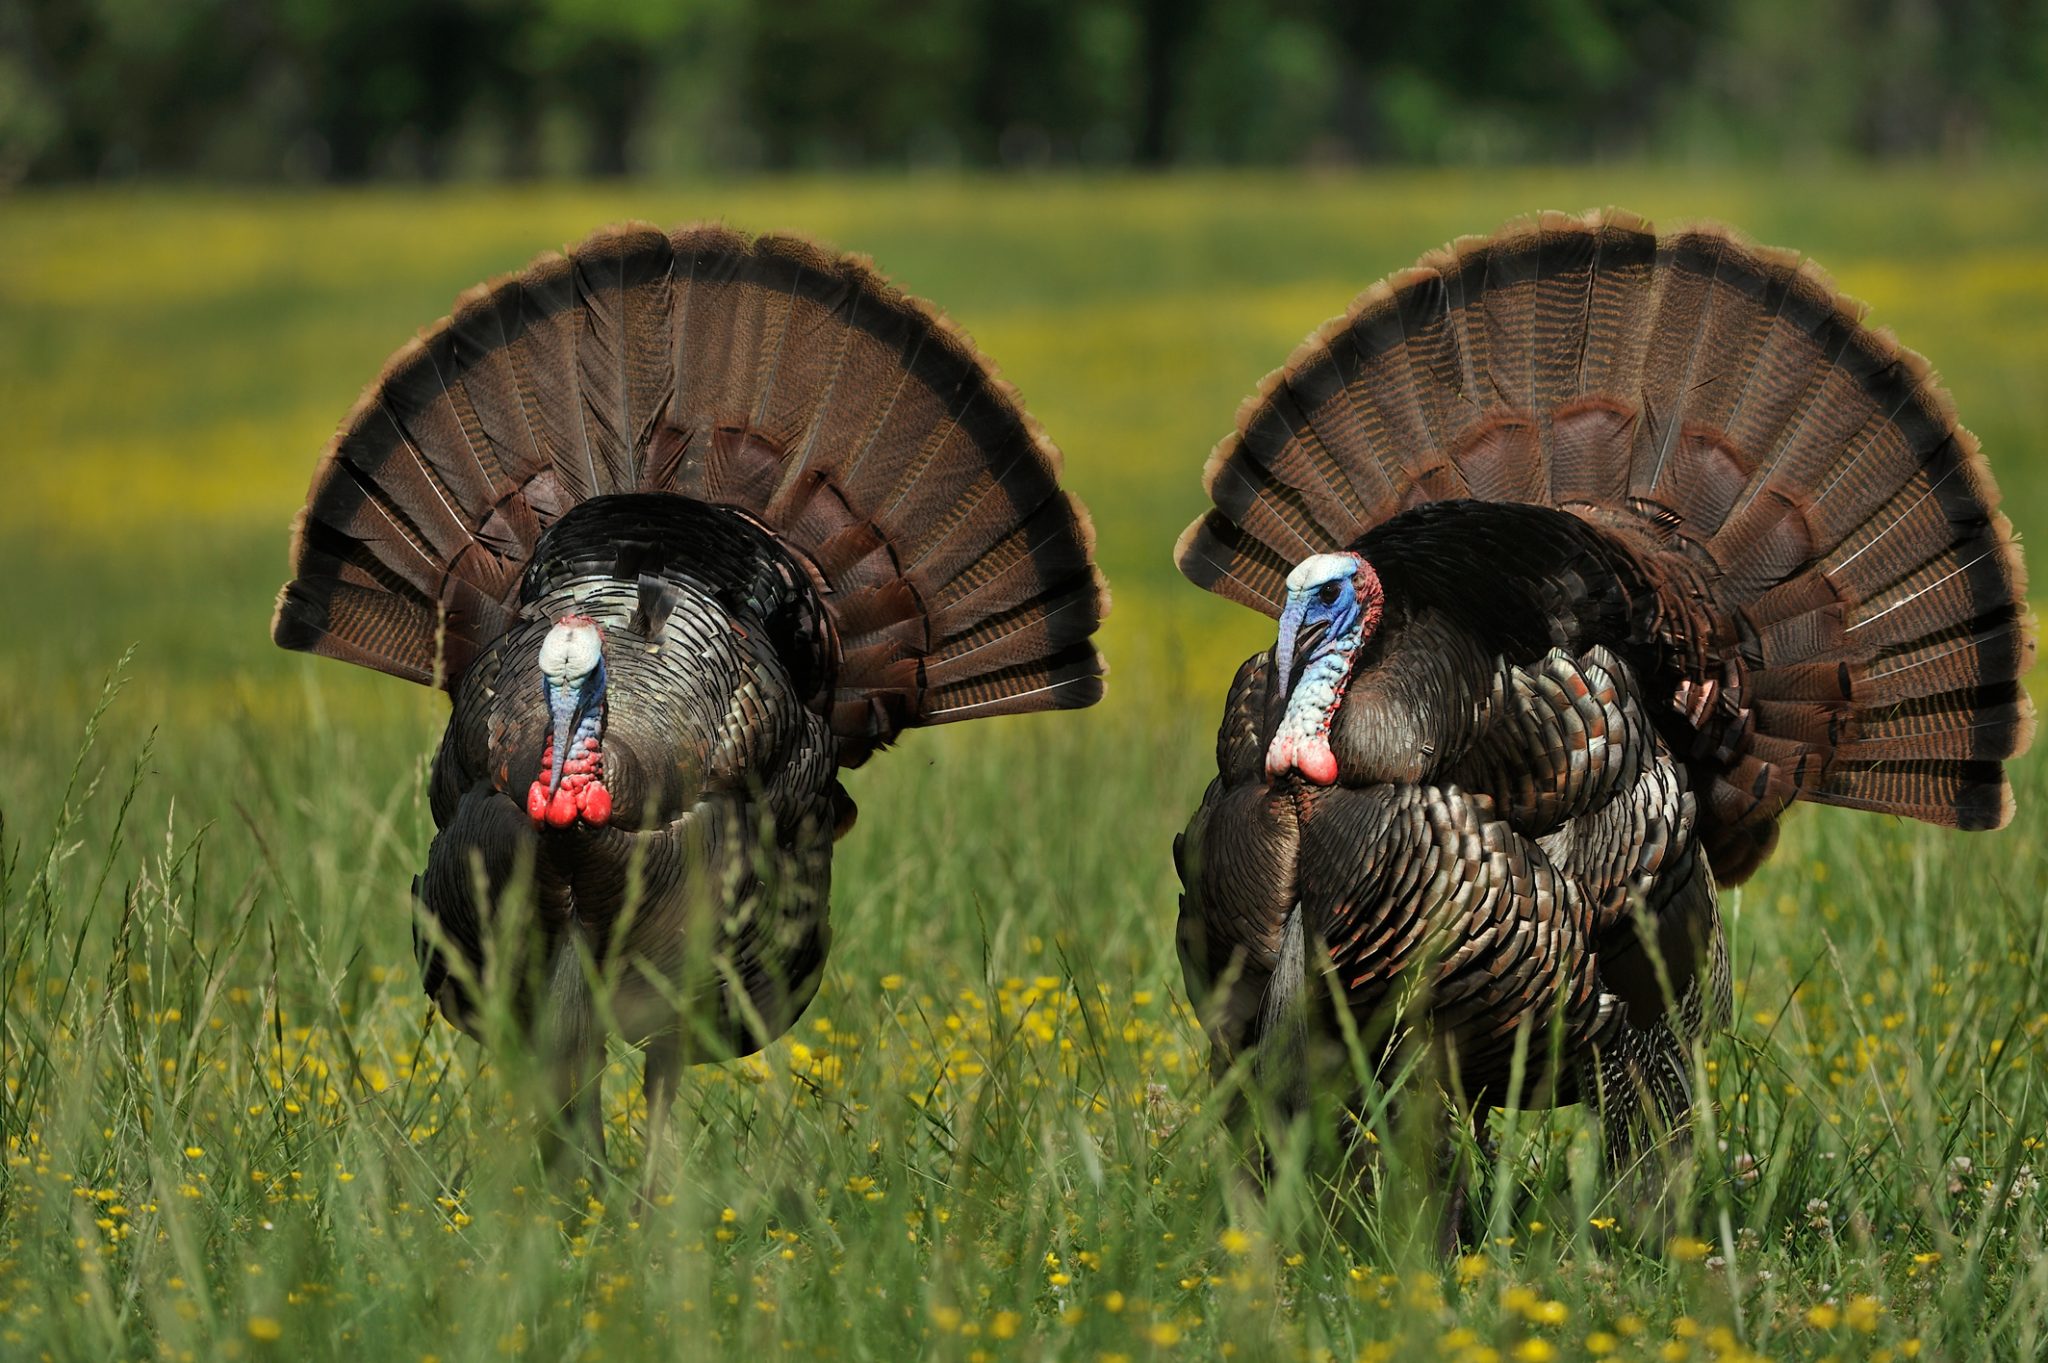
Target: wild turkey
[(684, 524), (1592, 550)]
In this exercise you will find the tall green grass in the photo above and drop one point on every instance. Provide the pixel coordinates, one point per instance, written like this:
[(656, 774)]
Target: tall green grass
[(233, 1127)]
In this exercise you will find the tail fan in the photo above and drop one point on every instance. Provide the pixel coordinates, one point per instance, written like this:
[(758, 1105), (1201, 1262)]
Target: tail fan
[(1723, 411), (766, 375)]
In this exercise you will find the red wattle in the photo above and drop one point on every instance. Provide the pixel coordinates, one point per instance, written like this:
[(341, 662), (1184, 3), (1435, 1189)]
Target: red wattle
[(578, 793), (1317, 763)]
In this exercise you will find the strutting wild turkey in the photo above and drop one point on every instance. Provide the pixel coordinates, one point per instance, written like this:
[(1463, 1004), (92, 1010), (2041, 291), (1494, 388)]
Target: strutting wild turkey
[(1591, 550), (684, 524)]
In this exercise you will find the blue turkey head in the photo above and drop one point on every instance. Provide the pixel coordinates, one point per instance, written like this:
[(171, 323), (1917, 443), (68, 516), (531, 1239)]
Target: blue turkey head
[(1334, 602)]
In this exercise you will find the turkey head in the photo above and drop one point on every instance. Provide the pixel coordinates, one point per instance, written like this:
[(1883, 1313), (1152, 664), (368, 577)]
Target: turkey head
[(1334, 604), (571, 785)]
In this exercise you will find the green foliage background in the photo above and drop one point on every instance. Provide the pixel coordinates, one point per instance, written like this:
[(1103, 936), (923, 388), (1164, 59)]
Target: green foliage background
[(231, 1125), (360, 89)]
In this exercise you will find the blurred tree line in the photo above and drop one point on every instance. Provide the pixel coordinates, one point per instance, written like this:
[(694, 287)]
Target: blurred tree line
[(352, 89)]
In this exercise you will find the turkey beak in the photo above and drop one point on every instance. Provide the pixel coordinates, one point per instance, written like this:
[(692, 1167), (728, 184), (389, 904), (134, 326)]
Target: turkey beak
[(1306, 643), (1291, 652), (1298, 642)]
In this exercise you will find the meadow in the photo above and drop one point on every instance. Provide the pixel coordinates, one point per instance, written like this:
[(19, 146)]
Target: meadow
[(234, 1128)]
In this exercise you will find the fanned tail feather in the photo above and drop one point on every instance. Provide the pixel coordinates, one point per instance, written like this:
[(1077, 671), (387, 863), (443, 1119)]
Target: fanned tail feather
[(1722, 411), (767, 375)]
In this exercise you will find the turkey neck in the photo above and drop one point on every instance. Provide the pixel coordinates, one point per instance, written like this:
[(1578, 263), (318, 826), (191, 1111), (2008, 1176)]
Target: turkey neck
[(1411, 704), (697, 705), (1470, 585)]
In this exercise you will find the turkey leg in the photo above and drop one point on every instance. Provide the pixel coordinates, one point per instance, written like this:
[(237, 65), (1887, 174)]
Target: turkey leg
[(664, 1069), (572, 1048)]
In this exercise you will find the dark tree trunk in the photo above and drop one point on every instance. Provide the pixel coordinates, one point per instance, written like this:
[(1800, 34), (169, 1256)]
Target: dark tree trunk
[(1166, 27), (616, 84), (348, 147), (522, 139)]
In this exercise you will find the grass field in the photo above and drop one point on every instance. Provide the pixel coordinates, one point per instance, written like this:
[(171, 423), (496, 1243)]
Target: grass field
[(233, 1128)]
